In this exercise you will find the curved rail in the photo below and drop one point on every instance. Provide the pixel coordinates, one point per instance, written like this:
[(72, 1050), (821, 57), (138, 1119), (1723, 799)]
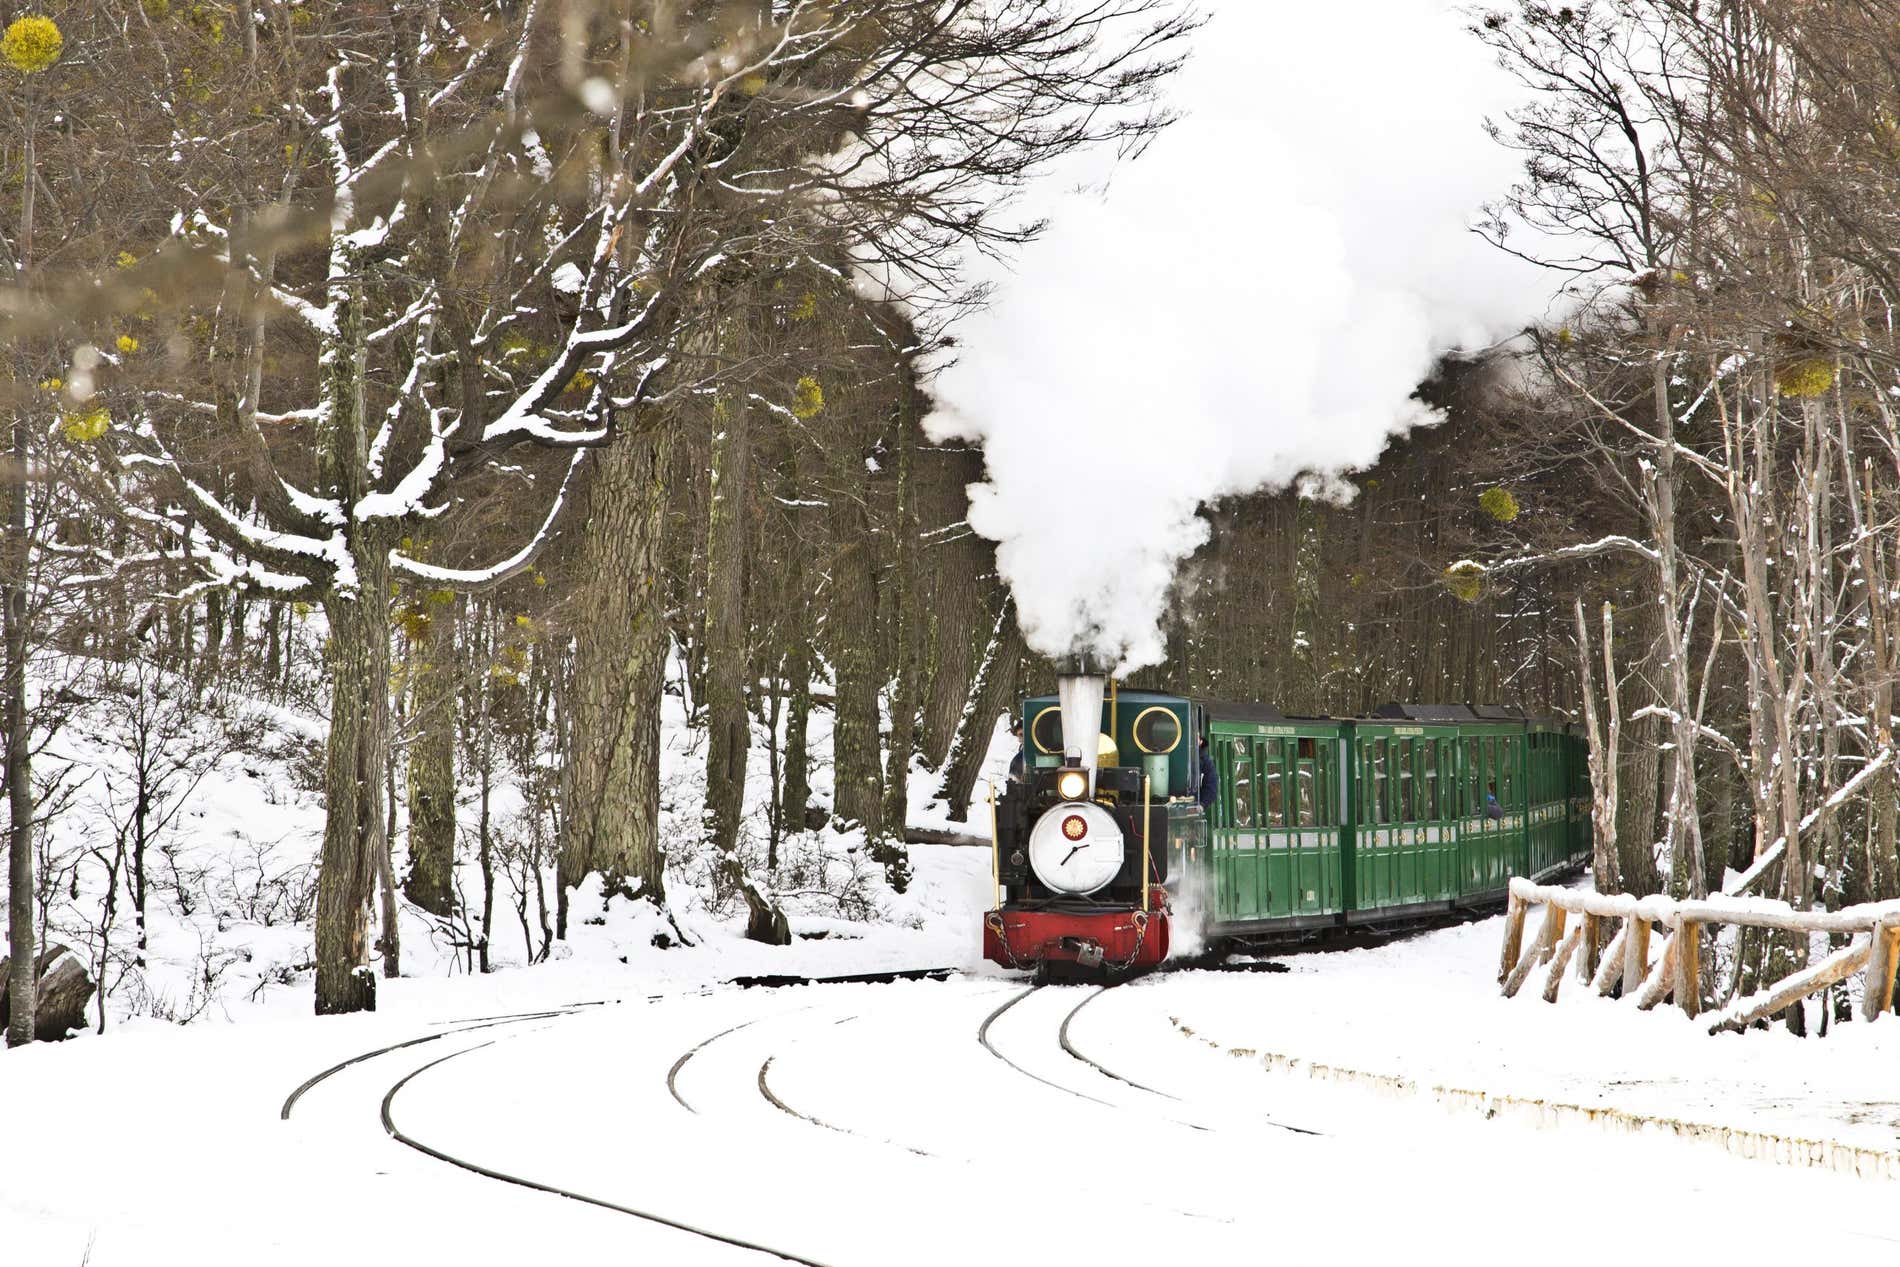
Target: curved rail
[(672, 1074), (983, 1037), (484, 1022), (502, 1176), (1068, 1046)]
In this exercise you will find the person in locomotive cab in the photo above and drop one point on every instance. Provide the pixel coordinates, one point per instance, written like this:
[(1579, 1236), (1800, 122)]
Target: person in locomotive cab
[(1016, 762), (1210, 778)]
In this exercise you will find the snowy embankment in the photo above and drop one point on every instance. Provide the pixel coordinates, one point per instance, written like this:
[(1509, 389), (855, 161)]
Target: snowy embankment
[(234, 822), (1424, 1016)]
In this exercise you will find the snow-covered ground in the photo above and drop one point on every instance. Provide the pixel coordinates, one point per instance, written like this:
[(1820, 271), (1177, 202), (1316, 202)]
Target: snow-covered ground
[(1426, 1012), (853, 1124), (237, 821), (867, 1124)]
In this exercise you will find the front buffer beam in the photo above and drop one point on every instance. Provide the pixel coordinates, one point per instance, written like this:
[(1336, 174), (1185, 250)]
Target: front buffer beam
[(1121, 939)]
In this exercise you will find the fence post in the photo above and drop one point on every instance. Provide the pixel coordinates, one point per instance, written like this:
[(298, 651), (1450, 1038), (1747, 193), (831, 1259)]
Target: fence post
[(1688, 983), (1635, 953), (1513, 937), (1562, 962), (1592, 947), (1610, 970), (1877, 990), (1554, 918), (1538, 951)]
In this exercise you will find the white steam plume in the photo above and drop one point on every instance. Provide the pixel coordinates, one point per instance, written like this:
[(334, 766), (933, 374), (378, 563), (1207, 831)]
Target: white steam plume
[(1251, 302)]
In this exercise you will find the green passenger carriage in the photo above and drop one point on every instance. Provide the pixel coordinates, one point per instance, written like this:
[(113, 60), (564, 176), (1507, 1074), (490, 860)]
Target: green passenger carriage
[(1316, 823)]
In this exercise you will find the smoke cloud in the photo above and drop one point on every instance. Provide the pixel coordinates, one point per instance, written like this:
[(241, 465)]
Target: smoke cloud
[(1248, 305)]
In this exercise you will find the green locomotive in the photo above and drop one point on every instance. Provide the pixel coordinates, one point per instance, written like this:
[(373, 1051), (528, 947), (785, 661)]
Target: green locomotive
[(1104, 853)]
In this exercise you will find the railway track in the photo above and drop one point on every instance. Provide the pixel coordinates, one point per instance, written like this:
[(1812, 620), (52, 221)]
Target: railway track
[(386, 1113), (487, 1031), (1069, 1047)]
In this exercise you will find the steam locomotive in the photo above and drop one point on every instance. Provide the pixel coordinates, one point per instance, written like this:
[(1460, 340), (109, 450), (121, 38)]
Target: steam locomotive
[(1104, 859)]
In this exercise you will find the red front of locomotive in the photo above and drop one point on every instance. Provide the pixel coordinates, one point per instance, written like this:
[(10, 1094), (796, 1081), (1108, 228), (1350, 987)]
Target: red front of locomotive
[(1126, 938)]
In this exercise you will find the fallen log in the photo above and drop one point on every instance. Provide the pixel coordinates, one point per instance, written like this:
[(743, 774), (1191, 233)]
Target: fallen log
[(65, 987), (938, 836)]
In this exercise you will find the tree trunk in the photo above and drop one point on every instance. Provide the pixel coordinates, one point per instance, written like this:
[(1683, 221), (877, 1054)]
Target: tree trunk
[(357, 756), (1604, 742), (1683, 815), (957, 560), (729, 666), (23, 984), (728, 658), (611, 780), (989, 696), (795, 788), (856, 752), (903, 625), (430, 881)]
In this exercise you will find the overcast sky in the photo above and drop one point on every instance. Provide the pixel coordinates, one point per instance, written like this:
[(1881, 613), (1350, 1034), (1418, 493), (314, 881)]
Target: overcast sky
[(1253, 298)]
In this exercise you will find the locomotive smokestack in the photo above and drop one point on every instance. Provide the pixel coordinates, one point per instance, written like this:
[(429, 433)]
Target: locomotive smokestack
[(1079, 687)]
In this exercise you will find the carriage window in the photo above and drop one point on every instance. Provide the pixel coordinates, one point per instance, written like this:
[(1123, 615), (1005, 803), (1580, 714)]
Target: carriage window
[(1379, 801), (1243, 784), (1276, 788), (1431, 779), (1474, 800), (1308, 796), (1489, 790), (1405, 811), (1507, 781)]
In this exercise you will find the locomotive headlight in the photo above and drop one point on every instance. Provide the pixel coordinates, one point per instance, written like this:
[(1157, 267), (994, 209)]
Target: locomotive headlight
[(1072, 785)]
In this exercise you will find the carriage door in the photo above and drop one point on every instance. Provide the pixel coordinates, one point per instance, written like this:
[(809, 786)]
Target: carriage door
[(1373, 869), (1236, 849)]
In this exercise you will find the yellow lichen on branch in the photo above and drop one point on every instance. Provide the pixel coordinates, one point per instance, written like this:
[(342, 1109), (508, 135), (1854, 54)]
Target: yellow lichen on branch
[(808, 399), (1465, 580), (1804, 380), (1499, 504), (32, 44)]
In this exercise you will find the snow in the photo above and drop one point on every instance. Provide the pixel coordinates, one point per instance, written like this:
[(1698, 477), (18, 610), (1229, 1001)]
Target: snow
[(902, 1139), (891, 1133)]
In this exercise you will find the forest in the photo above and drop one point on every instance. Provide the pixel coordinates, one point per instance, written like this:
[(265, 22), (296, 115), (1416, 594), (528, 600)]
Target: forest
[(444, 391)]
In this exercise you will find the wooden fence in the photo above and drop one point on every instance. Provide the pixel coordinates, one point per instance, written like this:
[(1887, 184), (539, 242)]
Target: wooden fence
[(1677, 972)]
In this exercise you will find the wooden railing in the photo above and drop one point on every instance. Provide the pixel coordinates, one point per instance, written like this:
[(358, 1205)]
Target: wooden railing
[(1677, 972)]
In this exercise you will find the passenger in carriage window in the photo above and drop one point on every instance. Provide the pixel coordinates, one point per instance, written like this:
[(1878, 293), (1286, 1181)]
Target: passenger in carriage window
[(1491, 807)]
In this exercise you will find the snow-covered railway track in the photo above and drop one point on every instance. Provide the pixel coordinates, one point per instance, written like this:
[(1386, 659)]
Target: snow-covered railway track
[(1069, 1047), (386, 1114), (460, 1027), (520, 1181)]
